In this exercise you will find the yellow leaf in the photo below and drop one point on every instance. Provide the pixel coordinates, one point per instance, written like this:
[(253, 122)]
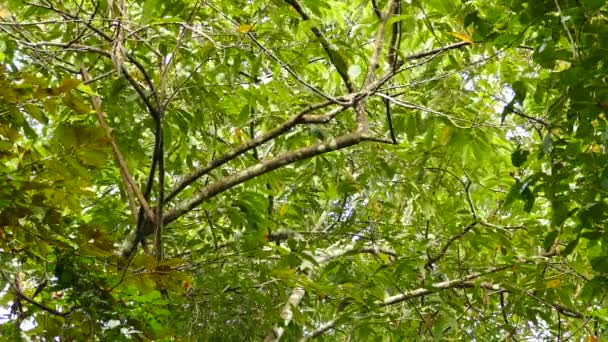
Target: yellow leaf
[(286, 274), (553, 283), (446, 135), (76, 104), (239, 135), (462, 36), (68, 84), (86, 89), (244, 28), (283, 210), (4, 13), (592, 338)]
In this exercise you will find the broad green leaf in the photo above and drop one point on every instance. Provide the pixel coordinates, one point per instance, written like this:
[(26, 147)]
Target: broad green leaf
[(149, 10)]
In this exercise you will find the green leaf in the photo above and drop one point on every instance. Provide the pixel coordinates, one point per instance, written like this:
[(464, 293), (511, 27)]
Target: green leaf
[(594, 4), (570, 247), (528, 197), (68, 84), (76, 104), (550, 239), (339, 61), (149, 10), (93, 158), (86, 89), (519, 157), (592, 235), (504, 40), (600, 264), (547, 144), (36, 113)]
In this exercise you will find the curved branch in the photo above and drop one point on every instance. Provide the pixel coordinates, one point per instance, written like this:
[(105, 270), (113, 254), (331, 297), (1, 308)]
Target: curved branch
[(35, 303), (287, 125), (263, 167)]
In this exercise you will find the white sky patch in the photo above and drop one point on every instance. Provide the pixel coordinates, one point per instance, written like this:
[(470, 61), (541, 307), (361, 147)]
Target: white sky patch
[(518, 132), (469, 85), (507, 95)]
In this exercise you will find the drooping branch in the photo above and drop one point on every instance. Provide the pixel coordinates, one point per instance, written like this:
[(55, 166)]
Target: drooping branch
[(130, 186), (160, 157), (393, 62)]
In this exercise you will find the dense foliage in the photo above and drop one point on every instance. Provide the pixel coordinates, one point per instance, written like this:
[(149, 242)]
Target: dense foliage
[(387, 170)]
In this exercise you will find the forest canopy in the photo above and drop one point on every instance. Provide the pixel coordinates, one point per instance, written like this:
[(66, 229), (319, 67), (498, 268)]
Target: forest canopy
[(333, 170)]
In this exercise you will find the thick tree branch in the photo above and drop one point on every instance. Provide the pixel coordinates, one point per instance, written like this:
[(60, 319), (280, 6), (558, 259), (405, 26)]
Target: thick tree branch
[(322, 329), (286, 314), (286, 126), (420, 292), (495, 287), (260, 169), (130, 185), (302, 117), (438, 287)]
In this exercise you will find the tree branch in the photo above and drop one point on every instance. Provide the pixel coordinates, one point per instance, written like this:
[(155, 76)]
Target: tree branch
[(433, 260), (286, 314), (41, 306), (362, 124), (277, 59), (287, 125), (420, 292), (332, 54), (436, 51), (129, 184), (265, 166)]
